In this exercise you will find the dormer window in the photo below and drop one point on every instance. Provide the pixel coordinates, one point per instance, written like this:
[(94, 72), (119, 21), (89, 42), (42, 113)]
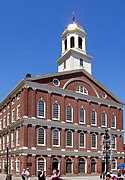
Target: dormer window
[(82, 90), (72, 42), (80, 42)]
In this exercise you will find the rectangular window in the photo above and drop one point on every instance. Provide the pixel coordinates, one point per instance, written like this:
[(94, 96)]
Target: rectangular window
[(0, 143), (4, 142), (12, 139), (8, 119), (4, 122), (18, 112), (17, 137), (82, 140), (81, 62), (0, 124), (41, 136), (13, 115), (69, 139)]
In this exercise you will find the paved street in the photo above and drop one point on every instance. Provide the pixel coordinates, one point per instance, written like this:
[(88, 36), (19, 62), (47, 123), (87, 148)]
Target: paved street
[(87, 177)]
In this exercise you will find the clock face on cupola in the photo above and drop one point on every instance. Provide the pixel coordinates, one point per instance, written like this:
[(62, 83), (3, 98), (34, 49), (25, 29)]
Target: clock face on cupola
[(74, 49)]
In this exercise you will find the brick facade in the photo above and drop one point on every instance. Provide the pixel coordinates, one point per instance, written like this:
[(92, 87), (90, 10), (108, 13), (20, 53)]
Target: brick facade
[(28, 151)]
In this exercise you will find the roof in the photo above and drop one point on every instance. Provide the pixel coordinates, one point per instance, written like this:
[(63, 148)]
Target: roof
[(25, 81)]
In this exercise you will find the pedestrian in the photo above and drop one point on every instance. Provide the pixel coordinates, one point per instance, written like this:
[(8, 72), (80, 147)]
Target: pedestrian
[(57, 173), (27, 173), (23, 174), (54, 176), (41, 175)]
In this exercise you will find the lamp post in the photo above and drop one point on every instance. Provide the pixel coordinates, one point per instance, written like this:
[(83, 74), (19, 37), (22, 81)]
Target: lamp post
[(8, 143), (107, 149)]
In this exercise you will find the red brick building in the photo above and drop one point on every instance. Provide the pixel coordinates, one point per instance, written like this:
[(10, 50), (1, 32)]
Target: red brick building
[(58, 120)]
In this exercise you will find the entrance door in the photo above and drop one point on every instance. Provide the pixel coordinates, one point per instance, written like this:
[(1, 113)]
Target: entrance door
[(103, 166), (55, 163)]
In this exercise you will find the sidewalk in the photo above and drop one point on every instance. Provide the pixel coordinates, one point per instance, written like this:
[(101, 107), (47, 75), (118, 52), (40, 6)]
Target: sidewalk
[(87, 177)]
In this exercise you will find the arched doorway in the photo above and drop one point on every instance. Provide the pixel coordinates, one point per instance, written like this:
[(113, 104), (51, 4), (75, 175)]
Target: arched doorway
[(93, 166), (81, 165), (68, 166), (55, 163)]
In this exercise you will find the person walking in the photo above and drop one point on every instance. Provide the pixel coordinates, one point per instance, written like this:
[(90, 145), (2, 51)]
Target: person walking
[(41, 175), (23, 174), (27, 173)]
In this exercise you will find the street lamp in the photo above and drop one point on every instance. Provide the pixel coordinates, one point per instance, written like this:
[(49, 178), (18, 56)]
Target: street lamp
[(107, 149), (8, 143)]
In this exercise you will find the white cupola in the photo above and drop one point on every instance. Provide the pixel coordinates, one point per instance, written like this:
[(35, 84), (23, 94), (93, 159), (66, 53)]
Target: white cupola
[(74, 49)]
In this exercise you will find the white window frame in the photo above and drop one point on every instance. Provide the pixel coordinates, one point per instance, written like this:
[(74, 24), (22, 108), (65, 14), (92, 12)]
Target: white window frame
[(114, 121), (56, 145), (13, 115), (4, 121), (67, 119), (17, 137), (95, 147), (39, 144), (112, 164), (95, 118), (0, 143), (17, 165), (84, 140), (0, 124), (82, 90), (105, 119), (8, 119), (44, 109), (58, 112), (12, 164), (18, 112), (42, 161), (4, 142), (80, 122), (71, 138), (12, 139), (113, 140)]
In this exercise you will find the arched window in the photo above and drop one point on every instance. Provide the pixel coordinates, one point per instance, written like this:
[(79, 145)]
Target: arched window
[(104, 118), (82, 139), (72, 42), (65, 42), (41, 136), (80, 42), (41, 109), (69, 139), (56, 111), (113, 121), (82, 90), (93, 166), (113, 142), (82, 115), (68, 166), (93, 141), (41, 164), (81, 165), (17, 165), (55, 163), (93, 117), (69, 113), (114, 164), (56, 137)]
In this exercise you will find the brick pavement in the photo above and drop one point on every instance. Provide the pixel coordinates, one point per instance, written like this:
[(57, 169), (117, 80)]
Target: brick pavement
[(87, 177)]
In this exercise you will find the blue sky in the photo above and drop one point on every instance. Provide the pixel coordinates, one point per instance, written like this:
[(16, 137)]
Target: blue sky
[(30, 39)]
